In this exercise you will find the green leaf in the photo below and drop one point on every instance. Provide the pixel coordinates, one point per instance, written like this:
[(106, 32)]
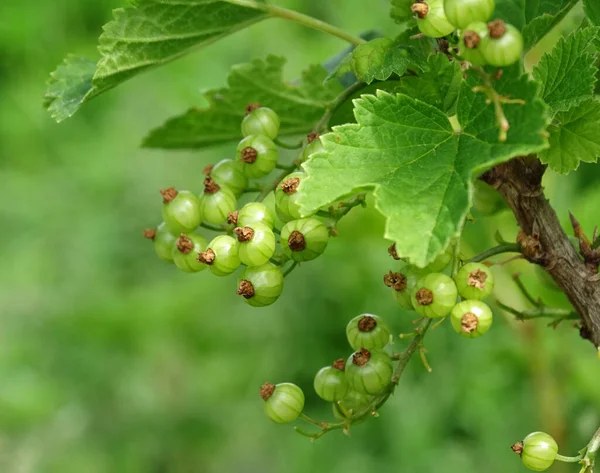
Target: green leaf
[(592, 10), (568, 72), (542, 24), (149, 34), (67, 86), (438, 85), (419, 168), (299, 107), (574, 137), (522, 12), (400, 10)]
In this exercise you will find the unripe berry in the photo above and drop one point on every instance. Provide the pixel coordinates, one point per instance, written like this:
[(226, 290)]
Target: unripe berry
[(257, 244), (434, 295), (229, 173), (330, 382), (369, 372), (352, 402), (163, 240), (367, 331), (181, 210), (261, 121), (185, 253), (441, 262), (503, 45), (304, 239), (258, 156), (221, 256), (469, 42), (462, 13), (538, 451), (261, 286), (287, 196), (217, 202), (254, 212), (403, 283), (471, 318), (431, 18), (474, 281), (284, 402)]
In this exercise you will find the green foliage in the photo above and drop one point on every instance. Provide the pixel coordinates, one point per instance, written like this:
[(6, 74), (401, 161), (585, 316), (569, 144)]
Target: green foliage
[(568, 73), (438, 85), (299, 106), (592, 10), (408, 153), (148, 34), (574, 138), (550, 14)]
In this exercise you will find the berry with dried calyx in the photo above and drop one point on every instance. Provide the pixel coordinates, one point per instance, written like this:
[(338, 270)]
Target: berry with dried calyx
[(258, 155), (287, 195), (261, 121), (221, 255), (402, 284), (538, 451), (229, 173), (471, 318), (257, 244), (261, 286), (431, 18), (217, 202), (369, 371), (181, 210), (163, 241), (254, 212), (330, 382), (367, 331), (503, 45), (462, 13), (186, 250), (469, 42), (304, 239), (474, 281), (284, 402), (434, 295)]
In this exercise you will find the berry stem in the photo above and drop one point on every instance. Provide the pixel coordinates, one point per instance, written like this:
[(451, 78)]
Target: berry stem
[(249, 190), (523, 289), (562, 458), (301, 18), (290, 269), (285, 145), (213, 228), (540, 312), (496, 250)]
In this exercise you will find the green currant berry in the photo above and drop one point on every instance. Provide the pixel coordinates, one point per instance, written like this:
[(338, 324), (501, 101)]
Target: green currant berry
[(461, 13), (185, 253), (261, 121), (538, 451), (330, 382), (474, 281), (284, 402), (403, 283), (314, 146), (287, 196), (228, 173), (434, 295), (257, 244), (181, 210), (352, 402), (258, 155), (304, 239), (254, 212), (217, 202), (471, 318), (163, 240), (261, 286), (469, 42), (369, 372), (431, 18), (367, 331), (221, 256), (503, 45)]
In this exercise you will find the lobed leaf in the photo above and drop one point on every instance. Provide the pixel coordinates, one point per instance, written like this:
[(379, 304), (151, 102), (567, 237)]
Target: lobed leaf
[(146, 35), (419, 168), (568, 72), (574, 138), (299, 106)]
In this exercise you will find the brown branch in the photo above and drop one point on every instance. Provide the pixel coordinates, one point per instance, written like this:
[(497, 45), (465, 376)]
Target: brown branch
[(544, 242)]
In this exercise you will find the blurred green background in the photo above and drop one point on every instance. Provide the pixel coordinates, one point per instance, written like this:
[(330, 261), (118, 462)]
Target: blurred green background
[(112, 361)]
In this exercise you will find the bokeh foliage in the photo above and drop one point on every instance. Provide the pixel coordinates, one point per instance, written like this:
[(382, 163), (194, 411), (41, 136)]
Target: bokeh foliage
[(111, 361)]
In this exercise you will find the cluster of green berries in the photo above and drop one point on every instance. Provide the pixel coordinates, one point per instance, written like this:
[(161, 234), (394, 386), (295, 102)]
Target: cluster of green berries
[(350, 385), (538, 451), (495, 43), (433, 294), (250, 234)]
